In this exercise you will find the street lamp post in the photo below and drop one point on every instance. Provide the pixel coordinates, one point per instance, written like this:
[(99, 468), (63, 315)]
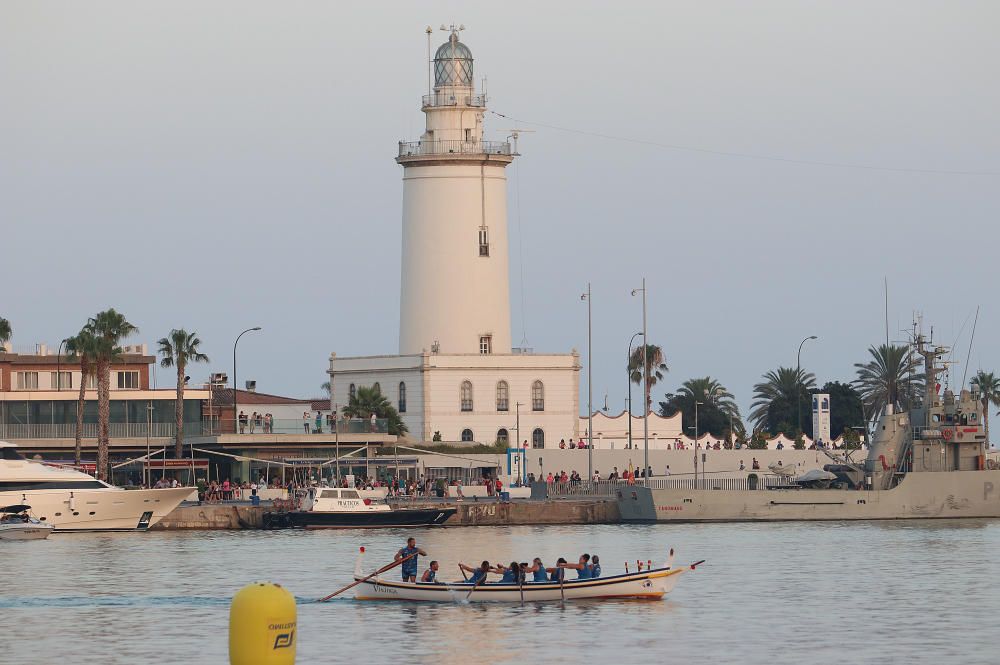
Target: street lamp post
[(696, 405), (645, 383), (59, 366), (628, 371), (336, 438), (798, 391), (590, 390), (236, 410)]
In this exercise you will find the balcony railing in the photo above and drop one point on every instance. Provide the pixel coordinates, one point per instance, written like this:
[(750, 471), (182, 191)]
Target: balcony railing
[(116, 430), (442, 99), (429, 148)]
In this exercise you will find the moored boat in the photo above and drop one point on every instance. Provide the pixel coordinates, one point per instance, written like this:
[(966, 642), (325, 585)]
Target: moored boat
[(343, 508), (652, 584), (16, 523)]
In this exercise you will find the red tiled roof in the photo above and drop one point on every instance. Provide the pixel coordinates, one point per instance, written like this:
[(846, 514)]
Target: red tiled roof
[(224, 397)]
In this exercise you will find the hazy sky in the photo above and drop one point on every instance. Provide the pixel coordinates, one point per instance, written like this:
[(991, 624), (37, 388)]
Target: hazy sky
[(219, 165)]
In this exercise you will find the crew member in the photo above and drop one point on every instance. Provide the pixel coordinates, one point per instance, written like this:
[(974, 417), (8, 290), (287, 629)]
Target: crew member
[(410, 565), (430, 575), (479, 574), (582, 567)]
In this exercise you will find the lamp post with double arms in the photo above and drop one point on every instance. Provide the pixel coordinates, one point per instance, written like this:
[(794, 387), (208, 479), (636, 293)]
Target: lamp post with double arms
[(628, 371), (645, 383), (236, 410), (798, 388), (590, 390)]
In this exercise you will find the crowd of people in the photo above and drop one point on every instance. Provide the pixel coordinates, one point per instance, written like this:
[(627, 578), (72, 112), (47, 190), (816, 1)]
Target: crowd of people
[(264, 423), (587, 567)]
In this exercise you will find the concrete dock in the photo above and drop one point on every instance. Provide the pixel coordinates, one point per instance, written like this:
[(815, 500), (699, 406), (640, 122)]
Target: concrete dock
[(470, 513)]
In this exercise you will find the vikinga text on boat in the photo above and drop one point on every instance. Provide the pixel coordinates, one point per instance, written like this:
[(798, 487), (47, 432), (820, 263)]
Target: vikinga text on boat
[(649, 584)]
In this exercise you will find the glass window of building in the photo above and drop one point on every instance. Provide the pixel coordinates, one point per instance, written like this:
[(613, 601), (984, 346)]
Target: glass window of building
[(538, 438), (484, 241), (486, 344), (377, 387), (128, 380), (61, 380), (27, 381), (352, 391), (466, 434), (466, 394), (503, 436), (402, 397), (537, 396), (91, 381), (503, 396)]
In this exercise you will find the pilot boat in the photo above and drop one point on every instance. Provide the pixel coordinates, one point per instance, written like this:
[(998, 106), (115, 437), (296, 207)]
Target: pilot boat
[(70, 500), (342, 508), (16, 523)]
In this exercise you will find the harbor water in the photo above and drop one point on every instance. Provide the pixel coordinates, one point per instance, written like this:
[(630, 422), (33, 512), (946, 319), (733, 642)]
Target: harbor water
[(907, 591)]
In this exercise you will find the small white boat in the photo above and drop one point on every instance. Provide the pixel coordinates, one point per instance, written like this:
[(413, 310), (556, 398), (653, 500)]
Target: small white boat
[(650, 584), (335, 508), (17, 524)]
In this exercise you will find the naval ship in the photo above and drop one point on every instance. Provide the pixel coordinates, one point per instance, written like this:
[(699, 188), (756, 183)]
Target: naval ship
[(928, 462)]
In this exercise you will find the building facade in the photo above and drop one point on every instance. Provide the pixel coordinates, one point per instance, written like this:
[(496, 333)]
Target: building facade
[(456, 377)]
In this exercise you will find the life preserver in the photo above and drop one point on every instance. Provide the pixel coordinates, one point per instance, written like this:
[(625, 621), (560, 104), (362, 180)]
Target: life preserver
[(947, 434)]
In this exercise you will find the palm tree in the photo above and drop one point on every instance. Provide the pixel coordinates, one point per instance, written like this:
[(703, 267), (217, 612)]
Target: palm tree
[(656, 367), (989, 395), (178, 349), (368, 400), (890, 377), (717, 413), (779, 394), (82, 347), (325, 387), (5, 331), (109, 328)]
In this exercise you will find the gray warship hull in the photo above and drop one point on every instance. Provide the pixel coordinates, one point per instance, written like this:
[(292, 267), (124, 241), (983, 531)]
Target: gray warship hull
[(943, 495)]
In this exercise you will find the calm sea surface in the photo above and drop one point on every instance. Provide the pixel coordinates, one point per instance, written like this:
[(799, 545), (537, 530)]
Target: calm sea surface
[(878, 592)]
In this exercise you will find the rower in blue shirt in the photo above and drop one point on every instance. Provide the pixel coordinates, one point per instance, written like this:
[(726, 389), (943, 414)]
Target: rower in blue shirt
[(537, 570), (479, 574), (582, 568), (595, 567), (430, 575), (410, 565), (558, 573)]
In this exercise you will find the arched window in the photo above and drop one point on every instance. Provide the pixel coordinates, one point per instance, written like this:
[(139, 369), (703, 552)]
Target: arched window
[(402, 397), (538, 438), (537, 397), (466, 434), (503, 436), (466, 396), (352, 392), (377, 387), (503, 396)]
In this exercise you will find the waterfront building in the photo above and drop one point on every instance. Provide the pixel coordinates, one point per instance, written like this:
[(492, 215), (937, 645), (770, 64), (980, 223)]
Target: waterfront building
[(457, 377)]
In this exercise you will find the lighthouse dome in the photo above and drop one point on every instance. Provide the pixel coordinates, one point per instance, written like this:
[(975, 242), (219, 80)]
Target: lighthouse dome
[(453, 63)]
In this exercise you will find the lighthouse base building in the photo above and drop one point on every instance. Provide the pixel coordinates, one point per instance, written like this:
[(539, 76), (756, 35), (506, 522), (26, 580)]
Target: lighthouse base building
[(456, 377)]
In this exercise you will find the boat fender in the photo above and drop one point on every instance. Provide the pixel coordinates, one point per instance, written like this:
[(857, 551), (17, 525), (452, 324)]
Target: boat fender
[(881, 458), (262, 624)]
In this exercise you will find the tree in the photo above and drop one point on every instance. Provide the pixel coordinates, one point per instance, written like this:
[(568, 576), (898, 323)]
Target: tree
[(6, 332), (715, 413), (178, 349), (109, 328), (989, 395), (780, 399), (82, 348), (656, 367), (325, 387), (890, 377), (368, 400), (846, 409)]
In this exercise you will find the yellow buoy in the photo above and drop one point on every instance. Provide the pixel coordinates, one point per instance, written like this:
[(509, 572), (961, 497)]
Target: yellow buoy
[(262, 626)]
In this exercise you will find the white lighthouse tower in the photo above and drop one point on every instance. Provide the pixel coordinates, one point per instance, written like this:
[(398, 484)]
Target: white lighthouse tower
[(456, 378), (455, 284)]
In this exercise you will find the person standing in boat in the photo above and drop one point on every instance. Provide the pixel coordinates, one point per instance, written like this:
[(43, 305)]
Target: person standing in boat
[(430, 575), (410, 565)]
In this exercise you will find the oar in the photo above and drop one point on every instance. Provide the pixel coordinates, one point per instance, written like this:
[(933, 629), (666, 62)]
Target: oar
[(357, 582), (520, 585), (478, 582), (462, 570), (562, 590)]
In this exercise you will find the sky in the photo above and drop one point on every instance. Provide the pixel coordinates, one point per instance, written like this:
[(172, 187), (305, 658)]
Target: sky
[(221, 165)]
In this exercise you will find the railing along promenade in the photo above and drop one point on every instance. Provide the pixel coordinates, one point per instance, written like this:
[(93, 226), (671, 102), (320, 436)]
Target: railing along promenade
[(751, 482), (206, 428), (431, 148)]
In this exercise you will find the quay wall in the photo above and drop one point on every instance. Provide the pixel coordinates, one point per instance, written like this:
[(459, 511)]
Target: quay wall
[(470, 513)]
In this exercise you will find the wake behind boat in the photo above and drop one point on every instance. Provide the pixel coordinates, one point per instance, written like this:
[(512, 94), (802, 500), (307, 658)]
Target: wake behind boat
[(651, 584)]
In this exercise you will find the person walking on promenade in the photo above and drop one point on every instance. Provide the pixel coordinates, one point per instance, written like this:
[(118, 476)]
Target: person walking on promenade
[(319, 422), (305, 421), (243, 422), (253, 421)]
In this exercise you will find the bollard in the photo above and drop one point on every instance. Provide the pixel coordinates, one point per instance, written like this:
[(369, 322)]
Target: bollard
[(262, 626)]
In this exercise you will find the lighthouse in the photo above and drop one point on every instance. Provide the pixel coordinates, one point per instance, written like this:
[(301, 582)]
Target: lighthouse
[(455, 294), (456, 377)]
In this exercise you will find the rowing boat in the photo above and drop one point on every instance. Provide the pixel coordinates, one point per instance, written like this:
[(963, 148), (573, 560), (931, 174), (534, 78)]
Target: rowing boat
[(649, 584)]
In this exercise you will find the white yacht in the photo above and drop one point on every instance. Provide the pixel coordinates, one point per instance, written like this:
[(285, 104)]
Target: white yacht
[(70, 500)]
